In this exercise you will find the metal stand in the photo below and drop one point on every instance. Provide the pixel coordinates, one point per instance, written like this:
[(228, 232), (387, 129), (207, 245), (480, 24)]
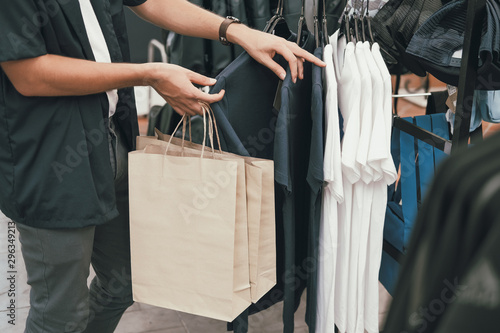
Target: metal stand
[(476, 11)]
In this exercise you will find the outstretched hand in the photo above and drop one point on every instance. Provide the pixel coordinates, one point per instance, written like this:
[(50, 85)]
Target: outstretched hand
[(264, 46)]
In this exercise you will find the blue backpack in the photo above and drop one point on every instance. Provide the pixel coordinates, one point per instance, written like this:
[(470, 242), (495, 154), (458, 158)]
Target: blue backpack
[(417, 162)]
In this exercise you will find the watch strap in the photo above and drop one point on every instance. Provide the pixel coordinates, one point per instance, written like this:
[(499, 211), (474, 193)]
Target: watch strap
[(223, 29)]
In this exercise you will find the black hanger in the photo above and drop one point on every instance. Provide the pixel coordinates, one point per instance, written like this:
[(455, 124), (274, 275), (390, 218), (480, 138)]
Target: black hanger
[(278, 24), (345, 28), (325, 25), (369, 21), (356, 26), (316, 24), (302, 23), (271, 21), (363, 31)]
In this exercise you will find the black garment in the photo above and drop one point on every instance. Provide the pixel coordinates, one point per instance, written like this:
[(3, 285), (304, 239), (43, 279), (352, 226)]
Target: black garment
[(394, 26), (249, 126), (435, 42), (315, 182), (477, 306), (291, 154), (454, 225), (54, 156), (247, 123)]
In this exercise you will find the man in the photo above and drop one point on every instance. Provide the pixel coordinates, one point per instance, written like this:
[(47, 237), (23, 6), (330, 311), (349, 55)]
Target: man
[(67, 121)]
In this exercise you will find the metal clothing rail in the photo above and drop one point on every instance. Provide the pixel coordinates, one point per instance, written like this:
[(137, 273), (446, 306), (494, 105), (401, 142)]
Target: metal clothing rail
[(476, 13), (422, 134)]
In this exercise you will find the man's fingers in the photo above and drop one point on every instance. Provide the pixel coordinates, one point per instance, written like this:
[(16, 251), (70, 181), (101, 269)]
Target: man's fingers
[(210, 98), (300, 68), (201, 79), (301, 53), (193, 107), (292, 61)]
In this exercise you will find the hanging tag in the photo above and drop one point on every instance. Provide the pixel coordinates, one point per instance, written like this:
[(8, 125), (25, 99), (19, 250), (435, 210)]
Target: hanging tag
[(451, 101)]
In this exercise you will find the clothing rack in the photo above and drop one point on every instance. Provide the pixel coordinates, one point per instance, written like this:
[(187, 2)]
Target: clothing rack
[(476, 12), (466, 85), (422, 134)]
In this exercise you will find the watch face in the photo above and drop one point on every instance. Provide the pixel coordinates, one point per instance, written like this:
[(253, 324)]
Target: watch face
[(236, 20)]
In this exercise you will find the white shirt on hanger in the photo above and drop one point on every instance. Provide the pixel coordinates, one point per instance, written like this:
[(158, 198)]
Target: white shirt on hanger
[(362, 198), (349, 98), (99, 46), (379, 199), (333, 194), (387, 164), (377, 153)]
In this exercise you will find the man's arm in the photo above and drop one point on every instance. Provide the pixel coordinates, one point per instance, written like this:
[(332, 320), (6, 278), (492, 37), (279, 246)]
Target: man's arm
[(186, 18), (52, 75)]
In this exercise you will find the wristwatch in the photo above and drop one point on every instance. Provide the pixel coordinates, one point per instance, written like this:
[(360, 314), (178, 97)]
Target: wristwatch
[(223, 28)]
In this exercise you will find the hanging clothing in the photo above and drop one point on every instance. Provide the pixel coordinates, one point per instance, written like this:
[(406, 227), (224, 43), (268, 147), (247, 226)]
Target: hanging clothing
[(247, 123), (393, 27), (351, 240), (249, 126), (448, 269), (381, 159), (437, 44), (349, 104), (291, 149), (333, 194), (315, 182), (362, 196)]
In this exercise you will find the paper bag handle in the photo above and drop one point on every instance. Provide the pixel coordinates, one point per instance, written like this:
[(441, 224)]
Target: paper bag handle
[(212, 122)]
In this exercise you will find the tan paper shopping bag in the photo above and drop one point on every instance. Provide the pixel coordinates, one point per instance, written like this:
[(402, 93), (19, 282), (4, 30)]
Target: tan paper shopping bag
[(189, 238), (261, 213)]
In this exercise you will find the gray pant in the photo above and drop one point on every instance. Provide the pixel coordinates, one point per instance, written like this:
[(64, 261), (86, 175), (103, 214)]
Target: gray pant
[(58, 261)]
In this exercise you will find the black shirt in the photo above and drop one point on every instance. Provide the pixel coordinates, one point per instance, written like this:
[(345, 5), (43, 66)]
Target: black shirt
[(54, 156)]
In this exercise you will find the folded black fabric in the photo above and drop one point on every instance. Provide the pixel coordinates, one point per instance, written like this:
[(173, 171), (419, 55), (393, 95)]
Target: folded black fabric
[(394, 26), (435, 43)]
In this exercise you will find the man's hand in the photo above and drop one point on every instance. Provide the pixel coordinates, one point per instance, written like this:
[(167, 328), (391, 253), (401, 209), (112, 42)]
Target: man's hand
[(175, 85), (264, 46), (52, 75), (186, 18)]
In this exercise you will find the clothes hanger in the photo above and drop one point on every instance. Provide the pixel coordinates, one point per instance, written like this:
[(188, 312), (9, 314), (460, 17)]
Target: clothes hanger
[(271, 22), (277, 23), (363, 33), (356, 29), (345, 26), (325, 25), (369, 21), (316, 24), (302, 23), (356, 22)]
